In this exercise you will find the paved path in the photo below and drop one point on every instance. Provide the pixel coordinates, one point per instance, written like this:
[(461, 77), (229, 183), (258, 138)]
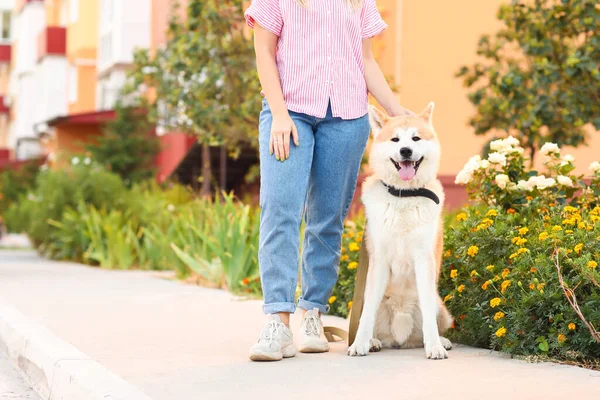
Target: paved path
[(12, 385), (178, 342)]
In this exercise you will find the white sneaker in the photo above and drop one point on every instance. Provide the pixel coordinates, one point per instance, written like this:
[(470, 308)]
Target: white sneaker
[(275, 342), (312, 338)]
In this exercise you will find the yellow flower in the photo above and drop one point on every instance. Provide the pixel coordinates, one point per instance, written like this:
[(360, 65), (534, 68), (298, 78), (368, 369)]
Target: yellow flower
[(453, 273), (345, 257), (570, 209), (501, 332), (556, 228), (543, 236), (592, 264), (359, 239), (505, 272), (498, 316), (533, 270), (515, 239), (523, 231), (486, 284), (522, 250), (491, 213), (581, 225), (447, 253), (521, 241), (461, 217), (571, 326), (504, 286), (344, 250), (473, 273), (569, 221), (532, 286), (487, 221), (448, 297), (353, 246), (350, 304), (561, 338), (461, 288), (540, 286), (332, 299), (495, 302), (546, 218), (350, 234), (568, 231), (353, 265), (528, 198), (472, 251), (578, 248), (490, 267)]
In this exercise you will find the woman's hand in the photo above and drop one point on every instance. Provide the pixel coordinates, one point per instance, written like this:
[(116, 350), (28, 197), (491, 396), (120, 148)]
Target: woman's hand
[(281, 128), (399, 111)]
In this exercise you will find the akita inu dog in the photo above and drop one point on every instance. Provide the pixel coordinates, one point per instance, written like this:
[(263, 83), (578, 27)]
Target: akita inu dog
[(403, 202)]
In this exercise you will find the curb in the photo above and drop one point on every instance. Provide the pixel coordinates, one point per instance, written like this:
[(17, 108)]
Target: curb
[(55, 369)]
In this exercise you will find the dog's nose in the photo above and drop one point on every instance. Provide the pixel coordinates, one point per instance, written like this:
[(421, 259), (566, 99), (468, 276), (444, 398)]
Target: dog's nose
[(406, 152)]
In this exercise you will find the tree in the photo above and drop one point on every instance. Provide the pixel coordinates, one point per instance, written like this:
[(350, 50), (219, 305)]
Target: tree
[(540, 77), (128, 147), (203, 80)]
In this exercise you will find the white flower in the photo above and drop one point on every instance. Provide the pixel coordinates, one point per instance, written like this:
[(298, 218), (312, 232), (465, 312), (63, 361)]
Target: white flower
[(511, 140), (595, 166), (87, 161), (564, 180), (497, 158), (483, 164), (171, 207), (75, 160), (498, 145), (463, 177), (549, 148), (543, 183), (524, 185), (502, 180), (44, 167), (147, 70), (567, 159), (511, 187)]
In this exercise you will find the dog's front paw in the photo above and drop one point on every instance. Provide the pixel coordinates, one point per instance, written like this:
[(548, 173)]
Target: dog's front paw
[(436, 352), (446, 343), (359, 348)]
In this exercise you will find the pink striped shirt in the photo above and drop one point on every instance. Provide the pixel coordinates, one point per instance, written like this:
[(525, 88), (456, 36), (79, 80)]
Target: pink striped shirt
[(319, 52)]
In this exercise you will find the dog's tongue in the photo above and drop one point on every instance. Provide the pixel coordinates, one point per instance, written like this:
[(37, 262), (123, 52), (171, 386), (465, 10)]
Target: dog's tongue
[(407, 170)]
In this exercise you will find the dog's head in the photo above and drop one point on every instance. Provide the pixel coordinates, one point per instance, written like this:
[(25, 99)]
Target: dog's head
[(405, 151)]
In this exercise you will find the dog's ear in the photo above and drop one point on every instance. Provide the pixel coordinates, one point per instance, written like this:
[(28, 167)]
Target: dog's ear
[(377, 119), (427, 113)]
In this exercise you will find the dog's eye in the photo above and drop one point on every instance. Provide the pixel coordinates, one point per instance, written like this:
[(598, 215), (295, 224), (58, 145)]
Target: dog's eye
[(395, 139), (416, 138)]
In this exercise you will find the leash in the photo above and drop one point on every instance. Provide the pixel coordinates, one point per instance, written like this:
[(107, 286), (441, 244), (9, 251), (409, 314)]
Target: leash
[(334, 334)]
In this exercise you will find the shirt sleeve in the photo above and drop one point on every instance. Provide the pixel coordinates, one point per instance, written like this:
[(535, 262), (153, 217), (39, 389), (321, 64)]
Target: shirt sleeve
[(372, 23), (267, 14)]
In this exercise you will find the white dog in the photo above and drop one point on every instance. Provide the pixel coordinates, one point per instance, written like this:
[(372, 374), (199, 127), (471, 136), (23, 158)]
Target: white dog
[(403, 201)]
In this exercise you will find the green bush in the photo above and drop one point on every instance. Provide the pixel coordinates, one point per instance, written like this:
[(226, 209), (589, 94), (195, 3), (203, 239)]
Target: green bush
[(16, 183)]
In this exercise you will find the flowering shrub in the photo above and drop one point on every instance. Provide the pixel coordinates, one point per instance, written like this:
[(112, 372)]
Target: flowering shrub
[(520, 267)]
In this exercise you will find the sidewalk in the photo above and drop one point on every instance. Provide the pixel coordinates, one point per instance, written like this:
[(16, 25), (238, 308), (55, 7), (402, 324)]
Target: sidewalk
[(177, 342)]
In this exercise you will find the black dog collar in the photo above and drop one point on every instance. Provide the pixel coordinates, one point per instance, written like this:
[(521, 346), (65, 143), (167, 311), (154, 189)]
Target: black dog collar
[(420, 192)]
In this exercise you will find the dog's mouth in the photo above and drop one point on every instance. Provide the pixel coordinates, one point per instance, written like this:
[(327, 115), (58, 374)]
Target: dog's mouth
[(407, 169)]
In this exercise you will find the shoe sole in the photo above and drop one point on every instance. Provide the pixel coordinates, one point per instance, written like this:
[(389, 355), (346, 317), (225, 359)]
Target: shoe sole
[(315, 347), (287, 352)]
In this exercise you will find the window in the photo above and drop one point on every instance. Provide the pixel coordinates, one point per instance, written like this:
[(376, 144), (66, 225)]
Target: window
[(73, 84), (5, 21), (73, 11), (106, 14)]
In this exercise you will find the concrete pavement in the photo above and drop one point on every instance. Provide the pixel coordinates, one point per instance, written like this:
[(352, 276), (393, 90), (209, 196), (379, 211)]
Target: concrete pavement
[(177, 342), (12, 384)]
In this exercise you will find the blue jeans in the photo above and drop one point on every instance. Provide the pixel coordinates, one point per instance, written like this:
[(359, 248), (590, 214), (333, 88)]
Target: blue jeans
[(317, 182)]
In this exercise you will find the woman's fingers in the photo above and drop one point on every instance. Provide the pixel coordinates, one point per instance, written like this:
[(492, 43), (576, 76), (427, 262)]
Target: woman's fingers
[(271, 147), (286, 145), (281, 145)]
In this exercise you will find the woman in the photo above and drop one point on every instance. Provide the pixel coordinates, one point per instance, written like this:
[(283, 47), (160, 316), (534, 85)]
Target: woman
[(316, 66)]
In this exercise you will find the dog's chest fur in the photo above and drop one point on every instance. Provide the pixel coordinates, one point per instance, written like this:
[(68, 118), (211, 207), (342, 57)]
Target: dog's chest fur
[(407, 227)]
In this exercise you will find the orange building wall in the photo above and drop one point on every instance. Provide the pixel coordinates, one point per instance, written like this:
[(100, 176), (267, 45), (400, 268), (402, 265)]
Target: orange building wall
[(71, 138)]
